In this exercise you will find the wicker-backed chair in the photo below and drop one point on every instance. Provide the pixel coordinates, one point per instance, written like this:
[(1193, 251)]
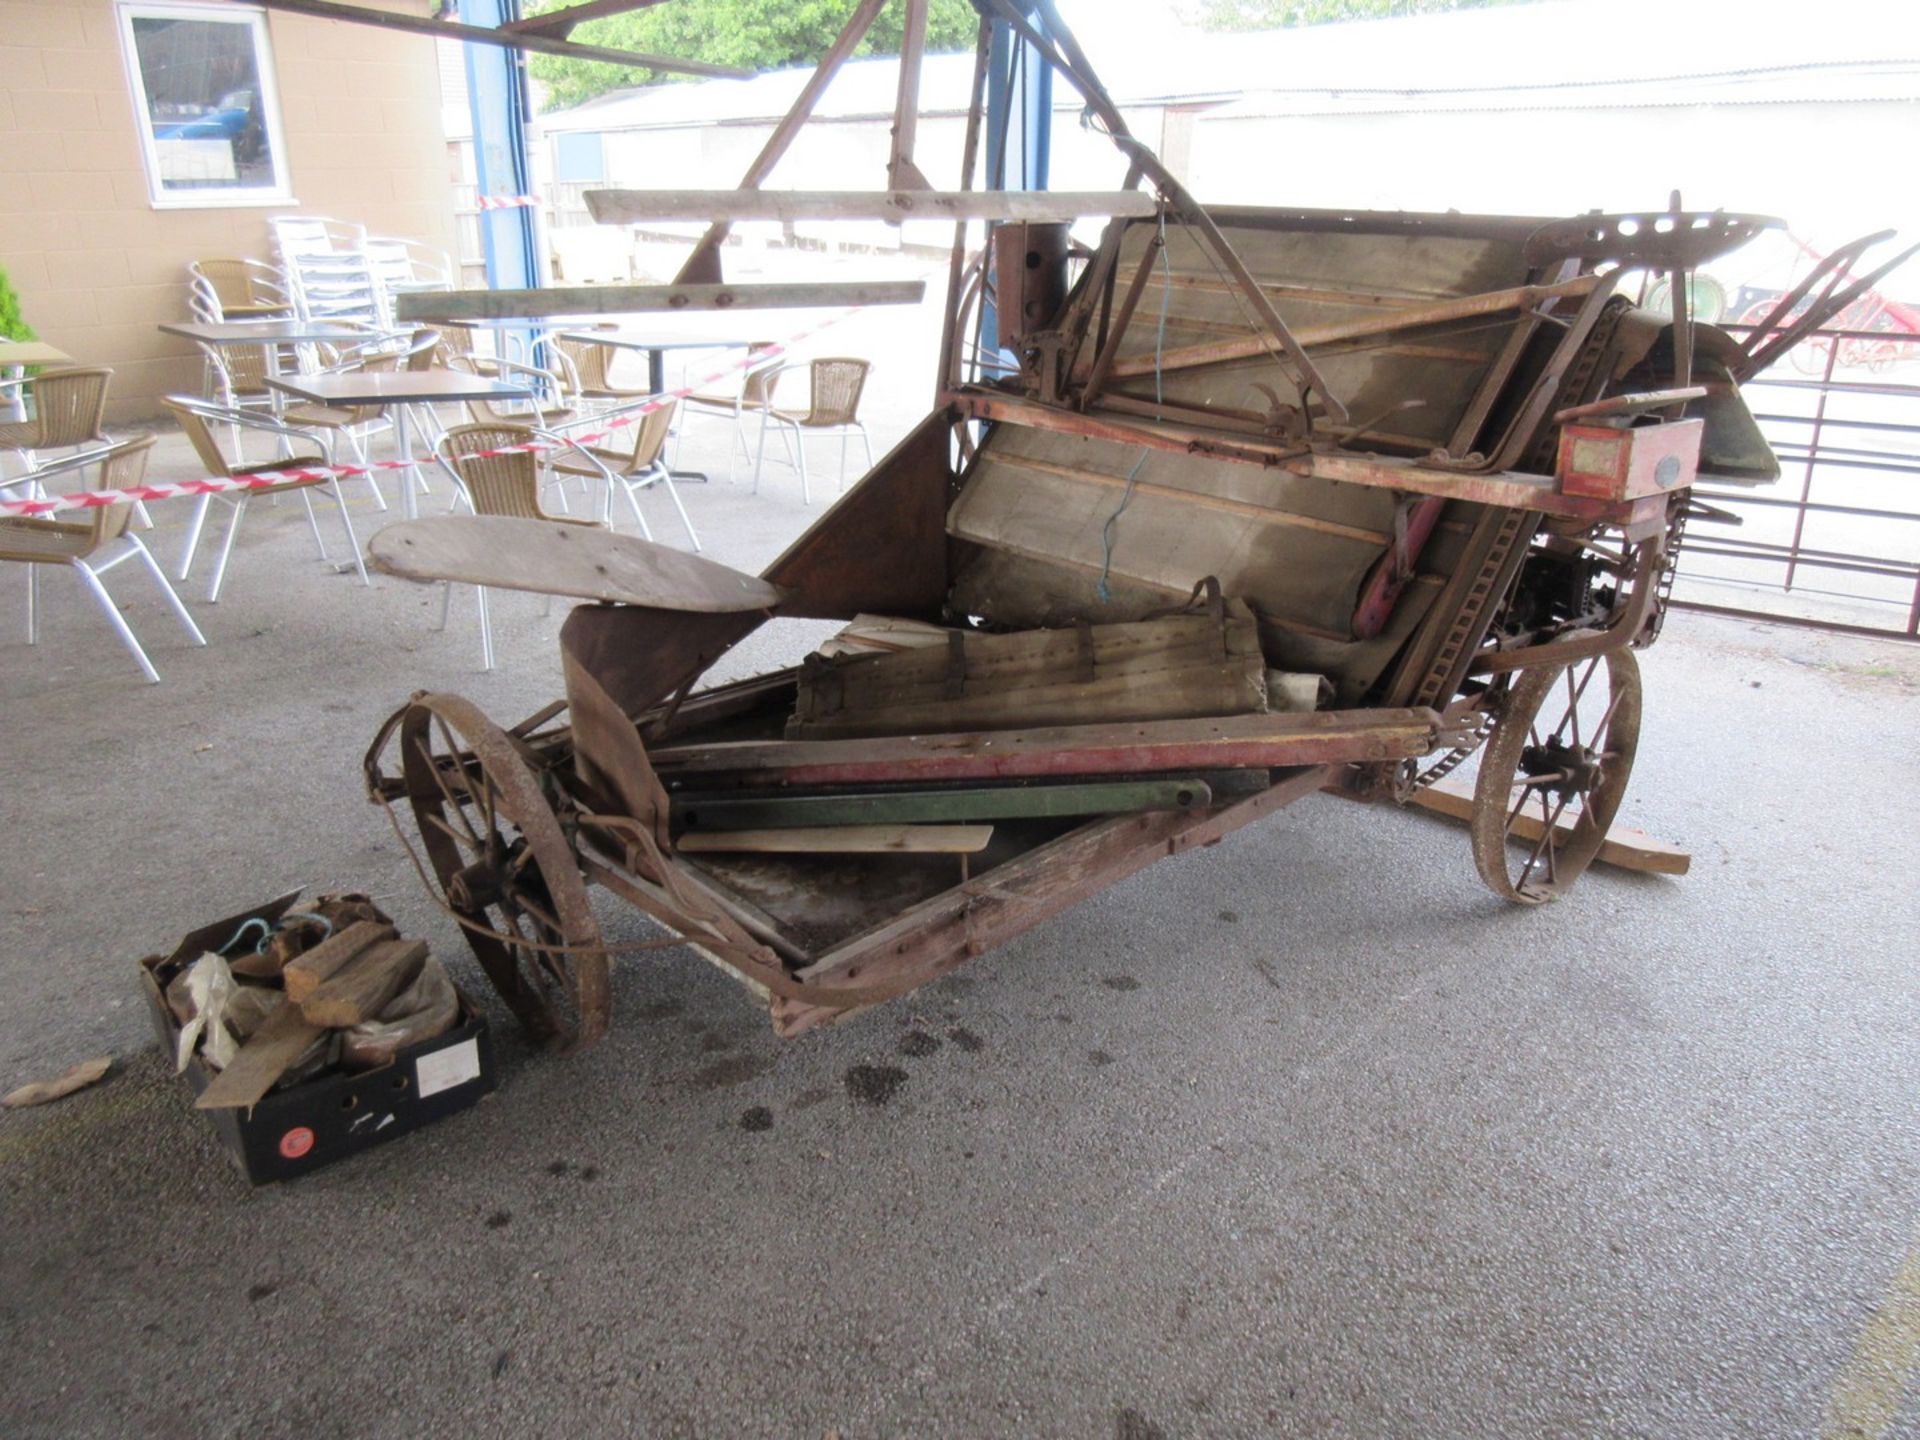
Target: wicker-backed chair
[(552, 402), (754, 395), (93, 546), (237, 289), (592, 365), (505, 484), (69, 411), (457, 353), (628, 469), (196, 418), (833, 403)]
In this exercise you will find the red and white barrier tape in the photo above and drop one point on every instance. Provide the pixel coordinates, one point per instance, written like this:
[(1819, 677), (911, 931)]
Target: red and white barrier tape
[(262, 479), (506, 202)]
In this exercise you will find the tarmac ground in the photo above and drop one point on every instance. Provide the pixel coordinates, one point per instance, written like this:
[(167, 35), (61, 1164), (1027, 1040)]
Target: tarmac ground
[(1304, 1134)]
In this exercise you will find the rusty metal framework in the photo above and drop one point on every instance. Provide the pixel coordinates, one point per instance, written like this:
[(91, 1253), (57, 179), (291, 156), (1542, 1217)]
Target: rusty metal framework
[(1440, 463)]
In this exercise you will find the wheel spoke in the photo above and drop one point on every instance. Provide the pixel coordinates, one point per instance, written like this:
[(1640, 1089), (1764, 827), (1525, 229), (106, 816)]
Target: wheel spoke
[(1551, 778), (460, 838), (453, 801), (476, 794), (1606, 720), (1548, 845), (538, 912)]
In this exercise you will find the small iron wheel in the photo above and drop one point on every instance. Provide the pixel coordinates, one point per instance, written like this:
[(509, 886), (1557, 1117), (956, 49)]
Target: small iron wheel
[(1552, 776), (505, 869)]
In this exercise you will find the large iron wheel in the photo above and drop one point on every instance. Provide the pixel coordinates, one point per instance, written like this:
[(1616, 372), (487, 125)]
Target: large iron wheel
[(505, 869), (1553, 774)]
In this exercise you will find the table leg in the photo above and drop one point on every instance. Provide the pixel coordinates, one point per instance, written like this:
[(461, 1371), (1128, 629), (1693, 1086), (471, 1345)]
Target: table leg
[(657, 383), (403, 437)]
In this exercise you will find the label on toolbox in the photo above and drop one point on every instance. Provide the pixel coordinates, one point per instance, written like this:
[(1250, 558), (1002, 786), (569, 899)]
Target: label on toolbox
[(444, 1069)]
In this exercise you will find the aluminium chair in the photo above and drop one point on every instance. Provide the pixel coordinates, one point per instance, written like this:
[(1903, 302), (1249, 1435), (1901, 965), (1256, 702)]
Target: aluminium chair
[(754, 395), (833, 404), (225, 289), (592, 363), (69, 412), (93, 546), (628, 469), (197, 419), (497, 484)]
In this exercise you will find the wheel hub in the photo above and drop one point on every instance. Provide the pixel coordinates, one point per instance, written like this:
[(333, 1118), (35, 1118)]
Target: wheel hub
[(476, 887), (1575, 768)]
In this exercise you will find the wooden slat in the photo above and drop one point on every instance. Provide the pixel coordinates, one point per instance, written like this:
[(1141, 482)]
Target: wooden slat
[(644, 299), (1235, 742), (951, 806), (1625, 847), (506, 40), (1183, 357), (580, 561), (628, 207), (1234, 687), (1175, 667), (841, 840)]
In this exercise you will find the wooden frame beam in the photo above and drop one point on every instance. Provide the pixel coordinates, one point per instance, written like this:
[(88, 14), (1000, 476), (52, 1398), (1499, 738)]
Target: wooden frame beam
[(558, 24), (434, 305), (506, 40), (703, 265), (902, 173), (1251, 741), (627, 207)]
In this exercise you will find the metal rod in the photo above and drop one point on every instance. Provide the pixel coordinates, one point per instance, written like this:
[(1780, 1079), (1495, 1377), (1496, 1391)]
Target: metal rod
[(483, 35), (950, 366)]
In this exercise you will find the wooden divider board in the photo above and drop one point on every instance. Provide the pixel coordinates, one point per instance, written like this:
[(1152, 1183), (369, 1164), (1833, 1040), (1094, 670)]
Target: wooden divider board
[(580, 561), (1624, 846)]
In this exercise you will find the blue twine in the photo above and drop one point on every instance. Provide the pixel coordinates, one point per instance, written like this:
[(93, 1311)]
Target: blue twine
[(301, 917), (1159, 398)]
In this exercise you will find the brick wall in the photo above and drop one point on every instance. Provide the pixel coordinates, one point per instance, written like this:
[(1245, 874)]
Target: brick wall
[(97, 267)]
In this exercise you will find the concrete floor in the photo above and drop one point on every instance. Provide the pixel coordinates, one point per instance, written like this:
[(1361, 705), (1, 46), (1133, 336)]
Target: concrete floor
[(1306, 1134)]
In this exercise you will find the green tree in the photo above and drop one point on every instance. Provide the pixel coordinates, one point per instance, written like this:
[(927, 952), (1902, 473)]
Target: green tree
[(13, 325), (1279, 14), (748, 34)]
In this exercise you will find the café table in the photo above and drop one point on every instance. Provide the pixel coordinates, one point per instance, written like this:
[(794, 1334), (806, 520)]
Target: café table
[(269, 332), (15, 355), (401, 389), (31, 352)]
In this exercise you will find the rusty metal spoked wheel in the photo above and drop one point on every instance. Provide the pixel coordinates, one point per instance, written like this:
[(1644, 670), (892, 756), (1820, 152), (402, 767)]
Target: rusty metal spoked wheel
[(505, 869), (1553, 774)]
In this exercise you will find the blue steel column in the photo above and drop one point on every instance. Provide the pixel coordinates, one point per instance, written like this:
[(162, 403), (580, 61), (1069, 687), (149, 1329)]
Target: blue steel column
[(1019, 130), (497, 96)]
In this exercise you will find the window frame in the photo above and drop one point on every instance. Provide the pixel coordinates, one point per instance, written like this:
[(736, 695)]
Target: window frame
[(208, 198)]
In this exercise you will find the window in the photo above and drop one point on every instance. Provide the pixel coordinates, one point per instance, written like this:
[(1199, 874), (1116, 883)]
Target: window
[(205, 105)]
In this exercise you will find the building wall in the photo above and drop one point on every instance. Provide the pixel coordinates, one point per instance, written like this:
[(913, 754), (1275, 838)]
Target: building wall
[(97, 267)]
